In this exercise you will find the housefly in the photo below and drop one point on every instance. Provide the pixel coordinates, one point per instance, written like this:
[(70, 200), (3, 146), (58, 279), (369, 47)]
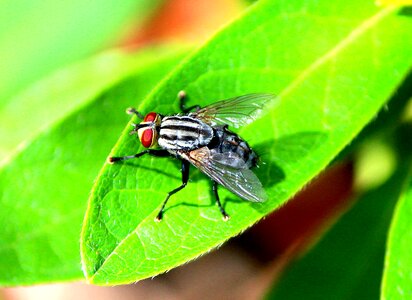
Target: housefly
[(201, 137)]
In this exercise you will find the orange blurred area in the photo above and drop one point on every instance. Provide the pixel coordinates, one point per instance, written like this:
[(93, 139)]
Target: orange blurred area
[(185, 20)]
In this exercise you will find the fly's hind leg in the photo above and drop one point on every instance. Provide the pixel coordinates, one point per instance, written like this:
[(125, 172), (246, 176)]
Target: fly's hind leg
[(219, 204), (183, 97), (185, 179)]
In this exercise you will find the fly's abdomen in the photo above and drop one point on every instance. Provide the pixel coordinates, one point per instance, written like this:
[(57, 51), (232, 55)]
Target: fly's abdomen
[(229, 142), (183, 133)]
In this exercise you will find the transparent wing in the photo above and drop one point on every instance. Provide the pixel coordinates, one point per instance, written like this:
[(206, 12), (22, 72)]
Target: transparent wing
[(230, 171), (235, 112)]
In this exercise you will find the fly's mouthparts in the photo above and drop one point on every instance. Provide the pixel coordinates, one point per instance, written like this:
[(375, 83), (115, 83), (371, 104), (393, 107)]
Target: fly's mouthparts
[(138, 126)]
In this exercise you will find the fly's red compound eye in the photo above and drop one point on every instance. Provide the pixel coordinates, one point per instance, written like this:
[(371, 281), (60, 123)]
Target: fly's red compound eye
[(147, 132), (150, 117), (147, 138)]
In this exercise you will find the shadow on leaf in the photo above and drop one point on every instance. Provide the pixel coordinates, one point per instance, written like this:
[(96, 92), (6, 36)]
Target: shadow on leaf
[(296, 146), (280, 152), (156, 171), (406, 11)]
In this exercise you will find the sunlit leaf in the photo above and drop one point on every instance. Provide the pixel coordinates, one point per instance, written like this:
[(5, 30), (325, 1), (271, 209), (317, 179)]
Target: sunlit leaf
[(332, 65)]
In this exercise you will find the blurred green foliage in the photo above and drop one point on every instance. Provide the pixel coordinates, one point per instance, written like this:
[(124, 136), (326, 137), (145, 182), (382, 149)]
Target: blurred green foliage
[(37, 37)]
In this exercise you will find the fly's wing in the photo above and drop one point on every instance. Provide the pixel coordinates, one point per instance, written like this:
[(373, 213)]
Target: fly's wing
[(230, 171), (236, 112)]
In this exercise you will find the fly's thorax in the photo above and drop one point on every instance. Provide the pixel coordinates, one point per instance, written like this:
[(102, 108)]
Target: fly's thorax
[(183, 133)]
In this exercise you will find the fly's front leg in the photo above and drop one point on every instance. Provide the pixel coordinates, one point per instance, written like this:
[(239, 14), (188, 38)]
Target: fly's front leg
[(157, 153), (222, 210), (132, 110), (182, 97), (185, 179)]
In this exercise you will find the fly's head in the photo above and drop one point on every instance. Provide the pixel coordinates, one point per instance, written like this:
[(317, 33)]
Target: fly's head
[(148, 129)]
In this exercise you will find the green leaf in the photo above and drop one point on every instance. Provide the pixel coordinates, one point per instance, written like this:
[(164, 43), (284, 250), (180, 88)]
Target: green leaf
[(44, 187), (347, 263), (333, 65), (39, 37), (397, 279)]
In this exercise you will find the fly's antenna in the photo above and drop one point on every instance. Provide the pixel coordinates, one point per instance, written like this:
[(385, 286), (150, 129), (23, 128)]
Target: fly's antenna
[(133, 111)]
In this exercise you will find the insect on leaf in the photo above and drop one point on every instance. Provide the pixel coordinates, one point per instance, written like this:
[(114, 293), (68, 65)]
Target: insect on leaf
[(331, 64)]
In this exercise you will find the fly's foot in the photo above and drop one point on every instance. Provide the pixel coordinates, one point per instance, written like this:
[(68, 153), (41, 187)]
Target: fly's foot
[(133, 111), (112, 159), (159, 217), (181, 95), (182, 99)]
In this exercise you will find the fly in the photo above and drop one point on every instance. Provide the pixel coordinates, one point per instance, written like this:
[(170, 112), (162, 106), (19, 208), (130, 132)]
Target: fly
[(201, 137)]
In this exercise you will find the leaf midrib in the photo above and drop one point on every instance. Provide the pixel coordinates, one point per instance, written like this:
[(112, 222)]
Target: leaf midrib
[(358, 31)]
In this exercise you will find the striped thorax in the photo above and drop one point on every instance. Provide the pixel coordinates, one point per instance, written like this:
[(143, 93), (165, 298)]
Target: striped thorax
[(183, 133)]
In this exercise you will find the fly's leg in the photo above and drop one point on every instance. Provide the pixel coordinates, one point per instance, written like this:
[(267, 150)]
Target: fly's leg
[(157, 153), (132, 110), (182, 97), (222, 210), (185, 179)]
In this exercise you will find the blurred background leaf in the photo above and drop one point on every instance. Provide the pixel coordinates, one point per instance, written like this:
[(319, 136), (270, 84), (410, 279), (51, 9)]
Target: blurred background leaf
[(397, 279), (37, 37), (328, 92)]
